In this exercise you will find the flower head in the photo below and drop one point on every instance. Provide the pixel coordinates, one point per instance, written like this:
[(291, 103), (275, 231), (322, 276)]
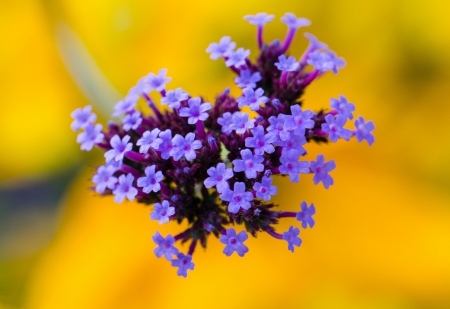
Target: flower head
[(247, 79), (125, 189), (165, 246), (234, 242), (237, 58), (185, 147), (238, 197), (162, 212), (184, 263), (321, 170), (363, 130), (195, 111), (174, 97), (149, 139), (132, 121), (293, 22), (151, 180), (287, 64), (83, 117), (291, 236), (119, 148), (264, 189), (250, 164), (252, 98), (259, 19), (104, 178), (221, 49), (92, 135), (325, 61), (218, 177), (305, 216), (343, 107), (334, 128)]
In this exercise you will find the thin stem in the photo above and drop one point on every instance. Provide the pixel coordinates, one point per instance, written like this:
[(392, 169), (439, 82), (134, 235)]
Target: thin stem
[(288, 40), (200, 129), (310, 77), (286, 214), (153, 106), (182, 234), (274, 234), (260, 36), (192, 247)]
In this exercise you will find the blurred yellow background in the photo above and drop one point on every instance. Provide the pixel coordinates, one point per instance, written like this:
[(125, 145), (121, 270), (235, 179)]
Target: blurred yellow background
[(382, 234)]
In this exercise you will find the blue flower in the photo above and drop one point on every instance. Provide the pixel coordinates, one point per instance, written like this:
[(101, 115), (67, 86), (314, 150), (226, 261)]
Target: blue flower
[(252, 98), (165, 246), (259, 19), (152, 82), (119, 148), (166, 146), (195, 111), (174, 97), (321, 170), (218, 177), (325, 61), (151, 180), (234, 243), (334, 128), (238, 198), (281, 126), (185, 147), (302, 119), (250, 164), (291, 236), (290, 165), (264, 190), (343, 107), (92, 135), (261, 142), (149, 139), (83, 117), (363, 130), (237, 58), (184, 262), (314, 43), (132, 121), (293, 22), (305, 216), (104, 178), (124, 189), (226, 122), (247, 79), (240, 122), (126, 105), (221, 49), (162, 212), (288, 64)]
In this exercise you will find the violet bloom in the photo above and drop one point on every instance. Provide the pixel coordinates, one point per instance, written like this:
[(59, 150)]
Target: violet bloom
[(252, 98), (363, 130), (119, 148), (260, 19), (290, 165), (293, 22), (104, 178), (124, 189), (281, 125), (343, 107), (152, 82), (261, 142), (237, 58), (238, 197), (334, 128), (165, 246), (264, 190), (292, 238), (92, 135), (195, 111), (321, 170), (221, 49), (184, 262), (151, 180), (305, 216), (166, 146), (174, 97), (131, 121), (247, 79), (149, 139), (83, 117), (226, 121), (185, 146), (218, 177), (234, 242), (293, 143), (287, 65), (250, 164), (325, 61), (302, 119), (126, 105), (240, 122), (162, 212), (314, 43)]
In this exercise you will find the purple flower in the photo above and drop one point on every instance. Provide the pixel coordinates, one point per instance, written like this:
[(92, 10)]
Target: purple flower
[(104, 178), (119, 148), (240, 122), (166, 146), (325, 61), (238, 197), (247, 79), (234, 242), (363, 130), (221, 49), (343, 107), (281, 126), (302, 119), (165, 246), (292, 238), (174, 97), (195, 111), (126, 105), (92, 135), (185, 146), (321, 170), (264, 190), (334, 128), (293, 22), (314, 43), (132, 121), (162, 212), (290, 165), (237, 58), (293, 143), (149, 139), (260, 141), (83, 117), (305, 216), (125, 189), (287, 65), (151, 180), (253, 98), (259, 19), (250, 164), (184, 262), (152, 82), (226, 121), (218, 177)]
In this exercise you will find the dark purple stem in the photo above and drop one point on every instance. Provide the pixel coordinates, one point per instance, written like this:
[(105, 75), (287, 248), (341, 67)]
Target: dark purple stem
[(192, 247), (274, 234), (153, 106), (286, 214), (260, 36), (283, 77), (310, 77), (135, 156), (200, 129), (183, 235), (128, 169), (163, 92), (288, 40)]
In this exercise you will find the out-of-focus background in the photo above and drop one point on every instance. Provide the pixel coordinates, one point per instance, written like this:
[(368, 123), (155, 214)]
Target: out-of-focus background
[(382, 234)]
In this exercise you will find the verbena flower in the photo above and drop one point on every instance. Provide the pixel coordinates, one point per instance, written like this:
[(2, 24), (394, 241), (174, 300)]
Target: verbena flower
[(212, 166)]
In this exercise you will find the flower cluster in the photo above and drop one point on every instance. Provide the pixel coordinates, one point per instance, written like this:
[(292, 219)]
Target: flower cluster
[(213, 165)]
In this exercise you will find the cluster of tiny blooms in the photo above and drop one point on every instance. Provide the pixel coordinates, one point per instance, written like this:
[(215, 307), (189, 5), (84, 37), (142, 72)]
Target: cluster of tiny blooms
[(213, 164)]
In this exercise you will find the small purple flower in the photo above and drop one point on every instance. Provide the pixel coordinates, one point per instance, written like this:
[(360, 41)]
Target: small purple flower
[(104, 178), (184, 262), (325, 61), (260, 19), (83, 117), (166, 146), (303, 120), (195, 111), (287, 65), (185, 146), (363, 130), (221, 49), (240, 122), (334, 128), (293, 143), (253, 98), (237, 58), (151, 180), (126, 105), (174, 97), (292, 238), (305, 216), (162, 212), (290, 165), (238, 197), (247, 79), (281, 125), (119, 148), (264, 190), (92, 135), (314, 43), (125, 189), (152, 82), (321, 170), (261, 142), (293, 22), (165, 246), (132, 121), (234, 242), (225, 121), (250, 164), (218, 177), (343, 107), (149, 139)]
